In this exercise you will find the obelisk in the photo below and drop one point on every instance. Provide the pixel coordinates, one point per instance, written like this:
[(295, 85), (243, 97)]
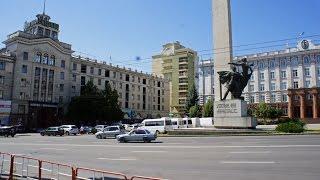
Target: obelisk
[(222, 42)]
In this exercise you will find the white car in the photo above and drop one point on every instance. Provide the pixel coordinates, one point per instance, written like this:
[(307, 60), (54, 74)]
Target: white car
[(70, 129), (110, 131), (100, 127)]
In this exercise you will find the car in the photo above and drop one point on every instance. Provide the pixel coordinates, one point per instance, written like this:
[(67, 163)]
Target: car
[(132, 126), (110, 131), (70, 129), (137, 135), (52, 131), (7, 131), (100, 127), (85, 129)]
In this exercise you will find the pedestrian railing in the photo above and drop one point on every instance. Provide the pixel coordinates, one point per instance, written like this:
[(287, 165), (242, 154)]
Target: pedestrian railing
[(18, 166)]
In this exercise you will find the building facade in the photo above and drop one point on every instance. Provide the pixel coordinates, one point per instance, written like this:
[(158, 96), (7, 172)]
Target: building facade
[(279, 73), (40, 74), (178, 64), (206, 81)]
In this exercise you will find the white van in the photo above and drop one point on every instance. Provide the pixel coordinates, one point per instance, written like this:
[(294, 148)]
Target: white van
[(175, 122), (157, 125)]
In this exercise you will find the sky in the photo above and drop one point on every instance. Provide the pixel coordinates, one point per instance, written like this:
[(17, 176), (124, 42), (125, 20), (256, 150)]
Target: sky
[(126, 29)]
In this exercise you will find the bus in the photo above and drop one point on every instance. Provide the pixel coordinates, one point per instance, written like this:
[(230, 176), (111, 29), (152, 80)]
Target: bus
[(161, 125)]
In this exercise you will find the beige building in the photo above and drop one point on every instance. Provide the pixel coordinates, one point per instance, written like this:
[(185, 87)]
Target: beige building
[(39, 75), (178, 64)]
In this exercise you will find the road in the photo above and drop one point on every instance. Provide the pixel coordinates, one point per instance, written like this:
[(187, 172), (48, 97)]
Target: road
[(238, 158)]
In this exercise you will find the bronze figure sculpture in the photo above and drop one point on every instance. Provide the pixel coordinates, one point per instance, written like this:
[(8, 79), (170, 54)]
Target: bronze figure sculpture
[(235, 81)]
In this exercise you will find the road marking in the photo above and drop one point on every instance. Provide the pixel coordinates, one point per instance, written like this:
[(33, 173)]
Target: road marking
[(118, 159), (250, 152), (247, 162), (160, 146), (149, 151), (56, 149)]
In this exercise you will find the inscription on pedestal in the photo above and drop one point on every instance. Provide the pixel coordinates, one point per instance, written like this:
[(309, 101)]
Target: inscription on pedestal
[(230, 108)]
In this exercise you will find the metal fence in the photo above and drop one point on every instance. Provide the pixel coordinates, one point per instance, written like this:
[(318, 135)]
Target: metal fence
[(23, 167)]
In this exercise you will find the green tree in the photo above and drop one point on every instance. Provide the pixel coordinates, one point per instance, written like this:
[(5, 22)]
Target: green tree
[(192, 97), (264, 112), (195, 111), (208, 109), (95, 106)]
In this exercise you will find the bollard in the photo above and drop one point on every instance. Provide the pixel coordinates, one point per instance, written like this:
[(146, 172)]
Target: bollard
[(39, 169), (11, 167)]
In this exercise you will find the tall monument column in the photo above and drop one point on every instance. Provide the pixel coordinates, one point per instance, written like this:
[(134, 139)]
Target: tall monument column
[(222, 42)]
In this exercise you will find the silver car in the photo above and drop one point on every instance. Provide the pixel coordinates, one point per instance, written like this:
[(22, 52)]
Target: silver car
[(110, 131), (137, 135)]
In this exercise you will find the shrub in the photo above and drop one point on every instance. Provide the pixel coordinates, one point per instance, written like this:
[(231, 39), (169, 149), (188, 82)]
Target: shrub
[(291, 126)]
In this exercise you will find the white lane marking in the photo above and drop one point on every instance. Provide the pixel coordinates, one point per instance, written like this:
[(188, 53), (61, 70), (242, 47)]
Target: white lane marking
[(149, 151), (118, 159), (247, 162), (55, 149), (160, 146), (250, 152)]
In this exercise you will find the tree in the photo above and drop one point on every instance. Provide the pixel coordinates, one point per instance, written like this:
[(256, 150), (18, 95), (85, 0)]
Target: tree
[(195, 111), (95, 106), (192, 97), (208, 109), (264, 111)]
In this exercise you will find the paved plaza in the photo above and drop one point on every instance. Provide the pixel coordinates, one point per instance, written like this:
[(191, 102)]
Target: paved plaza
[(240, 158)]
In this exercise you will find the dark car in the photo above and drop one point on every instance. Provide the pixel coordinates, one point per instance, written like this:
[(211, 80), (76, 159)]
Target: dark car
[(52, 131), (7, 131)]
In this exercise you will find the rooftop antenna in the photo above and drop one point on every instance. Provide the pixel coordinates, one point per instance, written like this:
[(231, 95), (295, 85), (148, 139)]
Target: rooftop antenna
[(44, 7)]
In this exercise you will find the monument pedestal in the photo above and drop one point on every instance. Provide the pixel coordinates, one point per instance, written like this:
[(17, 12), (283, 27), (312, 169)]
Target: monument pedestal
[(232, 114)]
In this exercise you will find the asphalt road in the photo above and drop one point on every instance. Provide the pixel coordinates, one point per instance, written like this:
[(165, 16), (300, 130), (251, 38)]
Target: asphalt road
[(238, 158)]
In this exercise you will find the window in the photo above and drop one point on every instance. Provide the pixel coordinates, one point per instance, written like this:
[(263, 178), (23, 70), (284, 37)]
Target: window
[(261, 87), (318, 59), (83, 68), (38, 57), (60, 99), (295, 73), (262, 98), (45, 59), (252, 77), (284, 98), (283, 74), (318, 71), (144, 81), (52, 60), (1, 79), (107, 73), (25, 56), (99, 72), (91, 70), (73, 88), (133, 78), (1, 94), (23, 82), (261, 76), (99, 81), (54, 35), (272, 64), (127, 77), (2, 65), (272, 75), (283, 63), (83, 80), (307, 84), (272, 86), (63, 63), (273, 98), (252, 99), (74, 77), (306, 71), (61, 87), (22, 95), (47, 32), (21, 109), (294, 61), (62, 75), (74, 66), (251, 88), (295, 85), (306, 60), (261, 65), (283, 86), (24, 69), (114, 75)]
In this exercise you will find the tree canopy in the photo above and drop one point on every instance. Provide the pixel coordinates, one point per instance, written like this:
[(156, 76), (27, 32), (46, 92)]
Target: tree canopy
[(264, 111), (208, 109), (95, 106), (192, 97)]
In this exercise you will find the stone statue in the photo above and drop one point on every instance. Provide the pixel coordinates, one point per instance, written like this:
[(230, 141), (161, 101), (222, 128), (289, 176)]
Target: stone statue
[(235, 81)]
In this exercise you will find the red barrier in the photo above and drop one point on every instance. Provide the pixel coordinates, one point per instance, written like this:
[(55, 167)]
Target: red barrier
[(52, 170), (6, 166), (86, 174), (26, 167)]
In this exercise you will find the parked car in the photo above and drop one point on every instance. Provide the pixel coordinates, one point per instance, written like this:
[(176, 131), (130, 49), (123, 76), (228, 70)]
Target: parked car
[(100, 127), (137, 135), (132, 126), (52, 131), (110, 131), (70, 129), (85, 129), (7, 131), (20, 128), (156, 126)]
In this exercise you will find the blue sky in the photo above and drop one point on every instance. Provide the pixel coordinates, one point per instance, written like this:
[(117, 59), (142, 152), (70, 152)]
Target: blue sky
[(125, 29)]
